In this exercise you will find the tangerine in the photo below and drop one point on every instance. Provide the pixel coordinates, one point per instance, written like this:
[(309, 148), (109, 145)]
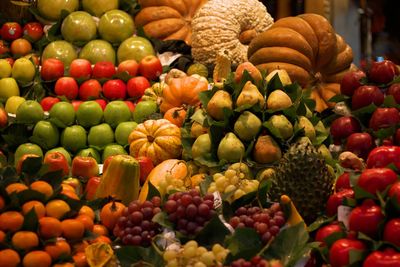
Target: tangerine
[(20, 47), (49, 227), (72, 229), (39, 208), (70, 194), (37, 258), (42, 187), (101, 239), (100, 229), (9, 258), (80, 246), (87, 211), (11, 221), (25, 240), (80, 259), (87, 221), (2, 237), (58, 249), (15, 187), (57, 208)]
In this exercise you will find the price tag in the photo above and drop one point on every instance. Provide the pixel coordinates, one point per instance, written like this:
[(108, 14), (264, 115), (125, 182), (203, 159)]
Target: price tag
[(217, 200), (343, 215)]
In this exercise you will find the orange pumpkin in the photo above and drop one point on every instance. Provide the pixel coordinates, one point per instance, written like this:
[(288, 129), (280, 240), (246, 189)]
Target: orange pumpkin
[(176, 115), (157, 139), (182, 91)]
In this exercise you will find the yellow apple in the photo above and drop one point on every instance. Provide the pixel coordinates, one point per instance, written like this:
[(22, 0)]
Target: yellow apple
[(13, 103), (8, 88), (23, 70), (5, 68)]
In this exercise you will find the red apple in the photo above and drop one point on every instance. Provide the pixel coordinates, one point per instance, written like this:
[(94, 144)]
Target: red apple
[(150, 67), (102, 103), (48, 102), (382, 71), (343, 127), (130, 66), (33, 31), (10, 60), (130, 105), (56, 161), (360, 144), (366, 95), (66, 86), (343, 182), (89, 90), (107, 162), (136, 86), (11, 31), (250, 68), (3, 118), (383, 118), (21, 161), (80, 68), (114, 89), (394, 90), (351, 81), (103, 69), (146, 165), (84, 167), (52, 69), (76, 104), (3, 48)]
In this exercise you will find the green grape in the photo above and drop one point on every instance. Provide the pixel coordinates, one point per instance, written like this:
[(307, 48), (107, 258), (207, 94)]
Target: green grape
[(173, 263), (238, 194), (234, 180), (229, 173), (199, 264), (201, 250), (169, 255), (230, 188), (208, 258)]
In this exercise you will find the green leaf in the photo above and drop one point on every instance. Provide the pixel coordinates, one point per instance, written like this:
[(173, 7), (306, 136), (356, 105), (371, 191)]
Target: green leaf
[(338, 98), (162, 219), (244, 243), (29, 194), (129, 256), (213, 232), (356, 257), (153, 192), (321, 221), (332, 238), (205, 96), (205, 184), (390, 102), (31, 221), (273, 130), (274, 84), (31, 165), (384, 133), (244, 200), (360, 193), (262, 191), (365, 110), (54, 178)]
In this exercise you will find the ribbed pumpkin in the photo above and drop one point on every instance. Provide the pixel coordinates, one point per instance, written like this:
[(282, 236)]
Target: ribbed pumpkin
[(308, 48), (157, 139), (168, 19), (182, 91)]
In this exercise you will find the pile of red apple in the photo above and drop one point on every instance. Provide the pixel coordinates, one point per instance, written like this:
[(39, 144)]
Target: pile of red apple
[(373, 98)]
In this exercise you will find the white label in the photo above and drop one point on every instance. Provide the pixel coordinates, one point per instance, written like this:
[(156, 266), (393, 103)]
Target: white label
[(343, 215), (217, 200)]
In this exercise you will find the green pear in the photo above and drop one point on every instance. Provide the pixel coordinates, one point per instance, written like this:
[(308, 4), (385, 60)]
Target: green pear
[(247, 126), (325, 152), (283, 76), (266, 150), (265, 174), (278, 99), (230, 148), (308, 127), (283, 125), (320, 127), (220, 100), (201, 146), (250, 96)]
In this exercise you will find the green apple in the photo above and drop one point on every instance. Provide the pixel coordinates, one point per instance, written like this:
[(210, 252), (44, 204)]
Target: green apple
[(90, 152), (45, 134), (115, 26), (27, 148), (97, 51), (61, 50), (89, 114), (8, 87), (29, 112), (62, 114), (23, 70), (100, 135), (13, 103), (113, 149), (79, 26), (123, 131), (134, 48), (116, 112), (62, 151), (143, 110), (99, 7), (73, 138), (5, 68), (51, 10)]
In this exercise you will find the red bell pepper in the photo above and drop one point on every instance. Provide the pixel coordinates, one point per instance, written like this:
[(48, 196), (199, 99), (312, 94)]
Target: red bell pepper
[(91, 187)]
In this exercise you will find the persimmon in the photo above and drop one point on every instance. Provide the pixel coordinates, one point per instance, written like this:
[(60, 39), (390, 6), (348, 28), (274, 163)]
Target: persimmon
[(42, 187), (37, 258), (49, 227), (58, 248), (11, 221), (87, 211), (72, 229), (100, 229), (110, 213), (38, 206), (80, 246), (9, 258), (25, 240), (15, 187), (57, 208), (80, 259), (176, 115), (86, 220)]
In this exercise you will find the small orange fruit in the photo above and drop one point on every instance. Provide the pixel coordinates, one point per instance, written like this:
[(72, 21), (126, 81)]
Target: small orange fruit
[(49, 227), (15, 187), (20, 47), (57, 208), (25, 240), (80, 246), (72, 229), (87, 211), (2, 203), (37, 258), (67, 187), (42, 187), (100, 229), (39, 208), (80, 259), (11, 221), (70, 194), (110, 213), (2, 237), (64, 264), (58, 248), (87, 221), (101, 239), (9, 258)]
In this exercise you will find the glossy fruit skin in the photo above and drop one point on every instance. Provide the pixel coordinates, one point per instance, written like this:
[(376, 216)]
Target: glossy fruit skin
[(135, 48), (343, 127), (114, 89), (20, 47), (343, 182), (382, 156), (339, 251), (67, 86), (386, 258), (91, 187), (90, 90), (61, 50), (383, 118), (80, 69), (146, 165), (394, 191), (150, 67), (103, 69), (326, 230), (79, 26), (336, 200), (52, 69), (11, 31), (136, 86), (366, 218), (84, 167), (115, 26), (129, 66), (376, 179), (102, 103), (360, 144), (394, 90), (383, 71), (56, 161), (97, 51), (351, 81), (391, 231), (33, 31), (366, 95), (48, 102)]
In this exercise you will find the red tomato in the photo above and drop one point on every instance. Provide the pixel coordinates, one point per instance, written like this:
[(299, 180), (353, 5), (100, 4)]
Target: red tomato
[(382, 156), (343, 182), (326, 231), (376, 180), (386, 258), (391, 232), (336, 200), (394, 191), (11, 31), (366, 218), (339, 253), (33, 31), (150, 67)]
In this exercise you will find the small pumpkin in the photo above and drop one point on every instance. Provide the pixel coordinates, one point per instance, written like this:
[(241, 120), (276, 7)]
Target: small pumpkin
[(182, 91), (157, 139)]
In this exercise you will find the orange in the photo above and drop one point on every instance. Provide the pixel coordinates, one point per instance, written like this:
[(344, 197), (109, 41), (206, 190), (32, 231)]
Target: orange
[(15, 187), (80, 246), (39, 208), (87, 211), (110, 213), (2, 203), (100, 229), (57, 208), (70, 194), (2, 237), (42, 187), (101, 239), (80, 259), (11, 221), (72, 229), (49, 227), (65, 264), (9, 258), (25, 240), (20, 47), (37, 258), (87, 221), (58, 248)]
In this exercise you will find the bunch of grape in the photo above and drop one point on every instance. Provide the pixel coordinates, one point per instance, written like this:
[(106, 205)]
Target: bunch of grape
[(236, 180), (256, 261), (189, 211), (267, 222), (170, 184), (135, 226), (191, 254)]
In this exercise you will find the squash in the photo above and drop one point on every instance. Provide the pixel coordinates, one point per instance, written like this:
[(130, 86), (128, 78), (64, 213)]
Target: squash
[(308, 48), (157, 139), (182, 91), (222, 26), (168, 19)]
